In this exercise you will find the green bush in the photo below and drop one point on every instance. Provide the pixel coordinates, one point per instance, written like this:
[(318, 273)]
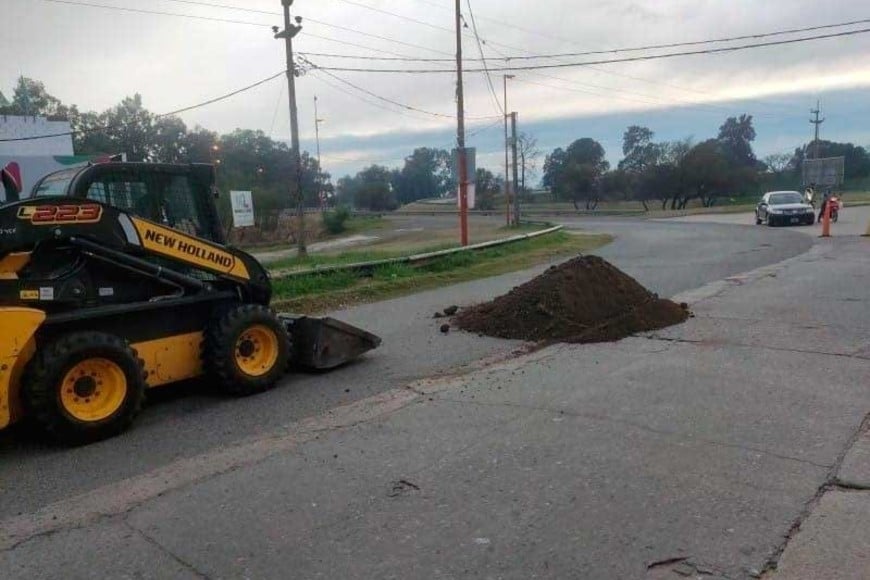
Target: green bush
[(334, 221)]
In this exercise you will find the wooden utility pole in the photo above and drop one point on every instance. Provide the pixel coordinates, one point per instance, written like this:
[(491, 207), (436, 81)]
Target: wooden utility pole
[(816, 121), (462, 161), (507, 179), (290, 31), (515, 180)]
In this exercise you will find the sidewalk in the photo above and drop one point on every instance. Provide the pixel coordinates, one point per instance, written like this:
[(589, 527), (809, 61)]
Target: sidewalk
[(690, 452)]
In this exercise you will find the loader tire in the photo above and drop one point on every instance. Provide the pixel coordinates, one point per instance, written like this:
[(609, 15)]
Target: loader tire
[(83, 387), (247, 349)]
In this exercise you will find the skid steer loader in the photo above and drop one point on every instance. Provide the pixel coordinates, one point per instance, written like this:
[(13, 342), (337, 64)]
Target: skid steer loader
[(115, 278)]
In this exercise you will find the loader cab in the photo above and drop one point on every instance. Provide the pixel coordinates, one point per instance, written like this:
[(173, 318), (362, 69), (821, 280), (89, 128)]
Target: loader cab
[(178, 196)]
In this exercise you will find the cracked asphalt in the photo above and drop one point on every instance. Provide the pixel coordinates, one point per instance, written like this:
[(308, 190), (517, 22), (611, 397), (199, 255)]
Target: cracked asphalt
[(696, 448)]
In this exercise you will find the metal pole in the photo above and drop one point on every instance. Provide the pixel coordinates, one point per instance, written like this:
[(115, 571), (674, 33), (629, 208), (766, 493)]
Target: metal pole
[(460, 135), (317, 121), (516, 191), (291, 30), (816, 122), (507, 179)]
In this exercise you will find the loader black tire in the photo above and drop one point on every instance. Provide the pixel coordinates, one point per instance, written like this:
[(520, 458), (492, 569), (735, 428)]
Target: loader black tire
[(247, 349), (84, 386)]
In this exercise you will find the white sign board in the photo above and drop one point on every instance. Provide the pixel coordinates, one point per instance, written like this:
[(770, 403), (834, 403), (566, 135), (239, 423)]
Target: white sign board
[(243, 209), (470, 197)]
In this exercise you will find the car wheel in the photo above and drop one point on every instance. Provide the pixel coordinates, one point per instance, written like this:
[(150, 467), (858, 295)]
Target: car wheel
[(757, 219)]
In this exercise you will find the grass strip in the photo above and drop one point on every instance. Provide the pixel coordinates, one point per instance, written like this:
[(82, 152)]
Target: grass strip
[(317, 293)]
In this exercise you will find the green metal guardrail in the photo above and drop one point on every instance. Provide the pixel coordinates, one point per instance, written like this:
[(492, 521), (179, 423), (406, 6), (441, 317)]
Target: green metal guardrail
[(415, 258)]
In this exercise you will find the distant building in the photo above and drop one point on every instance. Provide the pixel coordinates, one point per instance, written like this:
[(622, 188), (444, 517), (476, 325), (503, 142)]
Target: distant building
[(13, 127), (36, 157)]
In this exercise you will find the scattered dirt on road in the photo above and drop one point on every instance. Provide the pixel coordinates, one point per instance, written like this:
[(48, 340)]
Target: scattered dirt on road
[(586, 299)]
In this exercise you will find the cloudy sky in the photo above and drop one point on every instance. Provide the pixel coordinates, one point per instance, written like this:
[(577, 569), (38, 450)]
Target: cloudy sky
[(93, 57)]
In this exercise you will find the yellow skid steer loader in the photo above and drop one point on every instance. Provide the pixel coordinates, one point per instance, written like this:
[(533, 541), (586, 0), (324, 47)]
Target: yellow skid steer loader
[(115, 278)]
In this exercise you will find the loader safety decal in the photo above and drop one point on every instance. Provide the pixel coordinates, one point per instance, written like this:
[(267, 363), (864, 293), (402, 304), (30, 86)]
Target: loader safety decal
[(50, 215), (174, 244)]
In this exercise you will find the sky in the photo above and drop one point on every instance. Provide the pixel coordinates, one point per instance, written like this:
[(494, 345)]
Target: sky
[(94, 57)]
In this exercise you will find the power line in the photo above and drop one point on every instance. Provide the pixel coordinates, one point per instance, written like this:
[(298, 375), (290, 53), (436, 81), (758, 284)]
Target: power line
[(155, 12), (364, 99), (159, 116), (394, 14), (226, 7), (81, 3), (596, 69), (386, 99), (614, 60), (531, 56), (348, 43), (376, 36), (483, 58)]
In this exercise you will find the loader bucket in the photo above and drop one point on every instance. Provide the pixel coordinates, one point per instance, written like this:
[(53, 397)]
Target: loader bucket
[(326, 343)]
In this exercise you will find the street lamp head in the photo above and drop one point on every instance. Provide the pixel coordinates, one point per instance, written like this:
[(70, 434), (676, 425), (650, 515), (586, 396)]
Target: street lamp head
[(275, 29), (298, 20)]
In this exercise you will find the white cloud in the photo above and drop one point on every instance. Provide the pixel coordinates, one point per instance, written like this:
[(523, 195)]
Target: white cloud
[(94, 58)]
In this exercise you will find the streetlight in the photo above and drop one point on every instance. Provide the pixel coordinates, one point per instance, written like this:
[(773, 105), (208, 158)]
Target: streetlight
[(289, 32), (317, 122), (507, 192)]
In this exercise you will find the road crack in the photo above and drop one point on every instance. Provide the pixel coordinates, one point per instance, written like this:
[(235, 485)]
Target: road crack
[(175, 557)]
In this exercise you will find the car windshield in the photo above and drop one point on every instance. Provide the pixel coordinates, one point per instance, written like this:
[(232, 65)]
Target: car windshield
[(785, 198), (54, 184)]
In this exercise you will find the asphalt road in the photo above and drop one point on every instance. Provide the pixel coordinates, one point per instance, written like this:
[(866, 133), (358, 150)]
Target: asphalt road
[(853, 221), (184, 422)]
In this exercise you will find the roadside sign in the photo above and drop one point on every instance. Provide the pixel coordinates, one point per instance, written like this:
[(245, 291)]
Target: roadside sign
[(471, 164), (828, 171), (243, 209)]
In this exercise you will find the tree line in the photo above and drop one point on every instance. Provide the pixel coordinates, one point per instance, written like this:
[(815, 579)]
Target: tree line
[(673, 173), (246, 159), (667, 174)]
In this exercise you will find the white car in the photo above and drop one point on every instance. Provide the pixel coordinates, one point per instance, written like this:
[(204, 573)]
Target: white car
[(784, 208)]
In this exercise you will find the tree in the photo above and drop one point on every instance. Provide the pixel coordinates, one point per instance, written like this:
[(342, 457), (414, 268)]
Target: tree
[(778, 163), (130, 127), (857, 159), (370, 189), (486, 188), (640, 153), (638, 149), (527, 148), (736, 136), (574, 173), (31, 98), (706, 170), (426, 173)]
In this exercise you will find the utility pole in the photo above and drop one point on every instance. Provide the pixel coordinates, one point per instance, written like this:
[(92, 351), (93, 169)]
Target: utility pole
[(462, 161), (816, 121), (507, 179), (289, 32), (516, 191), (317, 122)]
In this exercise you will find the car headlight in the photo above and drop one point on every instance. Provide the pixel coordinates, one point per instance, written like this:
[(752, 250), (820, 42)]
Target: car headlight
[(775, 211)]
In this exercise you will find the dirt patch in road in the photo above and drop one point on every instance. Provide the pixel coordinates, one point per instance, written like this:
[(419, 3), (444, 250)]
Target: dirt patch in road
[(586, 299)]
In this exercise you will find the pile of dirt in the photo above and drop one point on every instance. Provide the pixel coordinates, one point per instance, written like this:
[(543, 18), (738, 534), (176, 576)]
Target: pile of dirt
[(585, 299)]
